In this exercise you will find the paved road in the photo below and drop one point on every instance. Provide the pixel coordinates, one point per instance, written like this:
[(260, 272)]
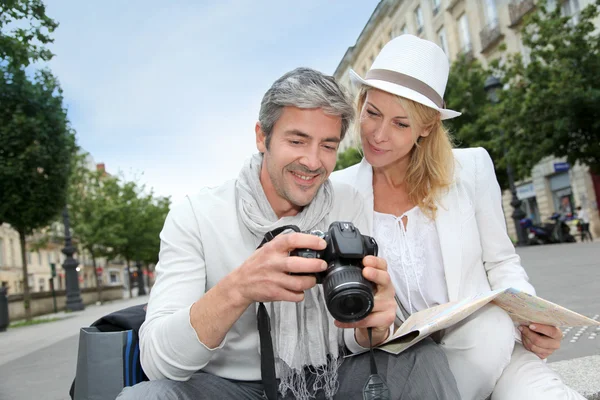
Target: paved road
[(569, 274), (38, 362)]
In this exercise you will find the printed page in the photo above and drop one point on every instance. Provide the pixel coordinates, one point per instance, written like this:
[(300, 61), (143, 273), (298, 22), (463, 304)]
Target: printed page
[(522, 307), (444, 315), (421, 324), (525, 309)]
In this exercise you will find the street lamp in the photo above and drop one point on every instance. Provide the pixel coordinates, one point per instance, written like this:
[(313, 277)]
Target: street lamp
[(74, 302), (491, 87), (140, 279)]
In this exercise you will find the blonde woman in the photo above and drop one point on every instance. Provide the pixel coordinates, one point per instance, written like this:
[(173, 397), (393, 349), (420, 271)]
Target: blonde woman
[(437, 216)]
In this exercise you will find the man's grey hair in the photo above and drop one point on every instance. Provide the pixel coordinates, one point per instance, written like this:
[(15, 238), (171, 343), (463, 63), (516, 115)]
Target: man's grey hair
[(304, 88)]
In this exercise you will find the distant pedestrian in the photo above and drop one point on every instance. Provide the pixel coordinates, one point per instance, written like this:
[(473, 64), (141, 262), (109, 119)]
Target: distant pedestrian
[(584, 220)]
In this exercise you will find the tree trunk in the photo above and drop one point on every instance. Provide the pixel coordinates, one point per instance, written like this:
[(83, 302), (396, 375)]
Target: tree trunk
[(26, 296), (98, 280), (129, 280)]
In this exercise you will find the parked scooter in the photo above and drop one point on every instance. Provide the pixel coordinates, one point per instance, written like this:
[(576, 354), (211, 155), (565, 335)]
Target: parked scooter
[(556, 231)]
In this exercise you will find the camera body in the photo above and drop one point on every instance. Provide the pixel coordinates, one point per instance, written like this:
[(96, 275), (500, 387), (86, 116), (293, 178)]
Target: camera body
[(348, 295)]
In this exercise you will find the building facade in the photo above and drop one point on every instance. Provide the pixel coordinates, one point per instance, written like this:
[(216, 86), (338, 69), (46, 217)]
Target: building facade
[(477, 28)]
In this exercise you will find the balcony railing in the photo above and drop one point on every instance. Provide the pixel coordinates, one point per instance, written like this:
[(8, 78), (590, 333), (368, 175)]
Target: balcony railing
[(517, 10), (490, 35)]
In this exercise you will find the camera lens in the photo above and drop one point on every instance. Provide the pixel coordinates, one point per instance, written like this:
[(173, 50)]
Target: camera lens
[(349, 296), (352, 304)]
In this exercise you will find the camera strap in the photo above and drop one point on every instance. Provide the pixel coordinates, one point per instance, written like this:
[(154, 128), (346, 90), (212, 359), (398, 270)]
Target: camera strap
[(267, 357), (375, 388)]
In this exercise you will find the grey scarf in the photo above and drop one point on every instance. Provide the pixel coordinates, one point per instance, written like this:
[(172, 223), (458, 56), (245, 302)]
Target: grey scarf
[(303, 333)]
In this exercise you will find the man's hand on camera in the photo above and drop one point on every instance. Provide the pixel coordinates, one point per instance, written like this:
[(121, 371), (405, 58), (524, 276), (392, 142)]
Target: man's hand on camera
[(265, 276), (384, 310)]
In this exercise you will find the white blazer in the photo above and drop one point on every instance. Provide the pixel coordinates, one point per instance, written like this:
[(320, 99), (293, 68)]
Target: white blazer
[(476, 250)]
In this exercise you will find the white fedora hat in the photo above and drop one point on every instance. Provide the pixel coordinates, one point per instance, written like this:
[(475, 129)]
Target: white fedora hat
[(412, 68)]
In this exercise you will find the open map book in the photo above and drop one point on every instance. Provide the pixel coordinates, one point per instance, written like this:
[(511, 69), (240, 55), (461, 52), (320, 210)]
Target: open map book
[(523, 308)]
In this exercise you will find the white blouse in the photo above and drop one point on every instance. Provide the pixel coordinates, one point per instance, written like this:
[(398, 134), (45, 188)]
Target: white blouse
[(414, 258)]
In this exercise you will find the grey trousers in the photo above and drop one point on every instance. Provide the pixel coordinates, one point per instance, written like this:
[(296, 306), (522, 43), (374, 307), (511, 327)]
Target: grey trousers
[(421, 372)]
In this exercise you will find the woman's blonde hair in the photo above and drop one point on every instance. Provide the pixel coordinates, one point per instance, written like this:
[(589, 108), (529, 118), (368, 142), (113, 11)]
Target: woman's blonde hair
[(431, 166)]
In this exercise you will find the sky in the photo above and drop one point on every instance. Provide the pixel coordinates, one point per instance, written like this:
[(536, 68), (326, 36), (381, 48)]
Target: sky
[(168, 92)]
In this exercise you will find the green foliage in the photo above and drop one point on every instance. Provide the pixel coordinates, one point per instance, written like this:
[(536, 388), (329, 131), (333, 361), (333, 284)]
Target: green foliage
[(114, 218), (24, 30), (477, 126), (37, 146), (93, 209), (348, 158), (553, 103), (35, 156), (141, 216)]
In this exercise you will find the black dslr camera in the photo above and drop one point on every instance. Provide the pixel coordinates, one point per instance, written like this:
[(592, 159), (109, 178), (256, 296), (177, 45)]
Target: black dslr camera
[(348, 295)]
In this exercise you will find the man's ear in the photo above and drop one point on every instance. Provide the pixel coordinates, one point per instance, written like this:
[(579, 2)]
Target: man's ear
[(261, 138)]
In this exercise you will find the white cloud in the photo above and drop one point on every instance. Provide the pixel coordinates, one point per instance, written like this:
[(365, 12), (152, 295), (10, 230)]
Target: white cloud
[(173, 88)]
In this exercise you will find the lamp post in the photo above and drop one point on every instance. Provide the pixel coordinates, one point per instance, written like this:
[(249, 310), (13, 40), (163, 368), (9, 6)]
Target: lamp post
[(74, 302), (491, 87), (140, 279)]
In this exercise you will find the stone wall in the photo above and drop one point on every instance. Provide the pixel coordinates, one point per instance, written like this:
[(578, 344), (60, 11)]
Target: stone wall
[(42, 302)]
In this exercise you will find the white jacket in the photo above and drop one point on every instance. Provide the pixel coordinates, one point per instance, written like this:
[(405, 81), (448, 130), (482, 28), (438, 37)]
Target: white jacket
[(201, 242), (477, 252)]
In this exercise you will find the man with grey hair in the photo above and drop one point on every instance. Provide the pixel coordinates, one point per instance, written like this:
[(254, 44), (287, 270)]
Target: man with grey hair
[(200, 339)]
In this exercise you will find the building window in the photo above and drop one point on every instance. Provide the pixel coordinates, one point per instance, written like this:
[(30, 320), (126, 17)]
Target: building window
[(419, 19), (443, 39), (1, 252), (42, 282), (436, 6), (465, 38), (39, 258), (526, 193), (570, 8), (404, 30), (562, 195), (491, 14)]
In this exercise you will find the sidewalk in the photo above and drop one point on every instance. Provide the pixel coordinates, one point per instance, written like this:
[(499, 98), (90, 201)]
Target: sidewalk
[(581, 374), (19, 342)]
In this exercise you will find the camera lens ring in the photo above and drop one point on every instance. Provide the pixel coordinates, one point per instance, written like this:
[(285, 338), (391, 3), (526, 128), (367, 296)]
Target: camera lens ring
[(348, 295)]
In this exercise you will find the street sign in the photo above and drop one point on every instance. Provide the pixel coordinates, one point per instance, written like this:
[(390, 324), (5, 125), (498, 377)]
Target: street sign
[(561, 166)]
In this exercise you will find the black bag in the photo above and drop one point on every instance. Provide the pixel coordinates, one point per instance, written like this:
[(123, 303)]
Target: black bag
[(110, 346)]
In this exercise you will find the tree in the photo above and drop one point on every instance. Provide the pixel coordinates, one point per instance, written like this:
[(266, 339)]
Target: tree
[(35, 156), (347, 158), (154, 221), (478, 124), (94, 213), (141, 216), (31, 29), (551, 106)]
